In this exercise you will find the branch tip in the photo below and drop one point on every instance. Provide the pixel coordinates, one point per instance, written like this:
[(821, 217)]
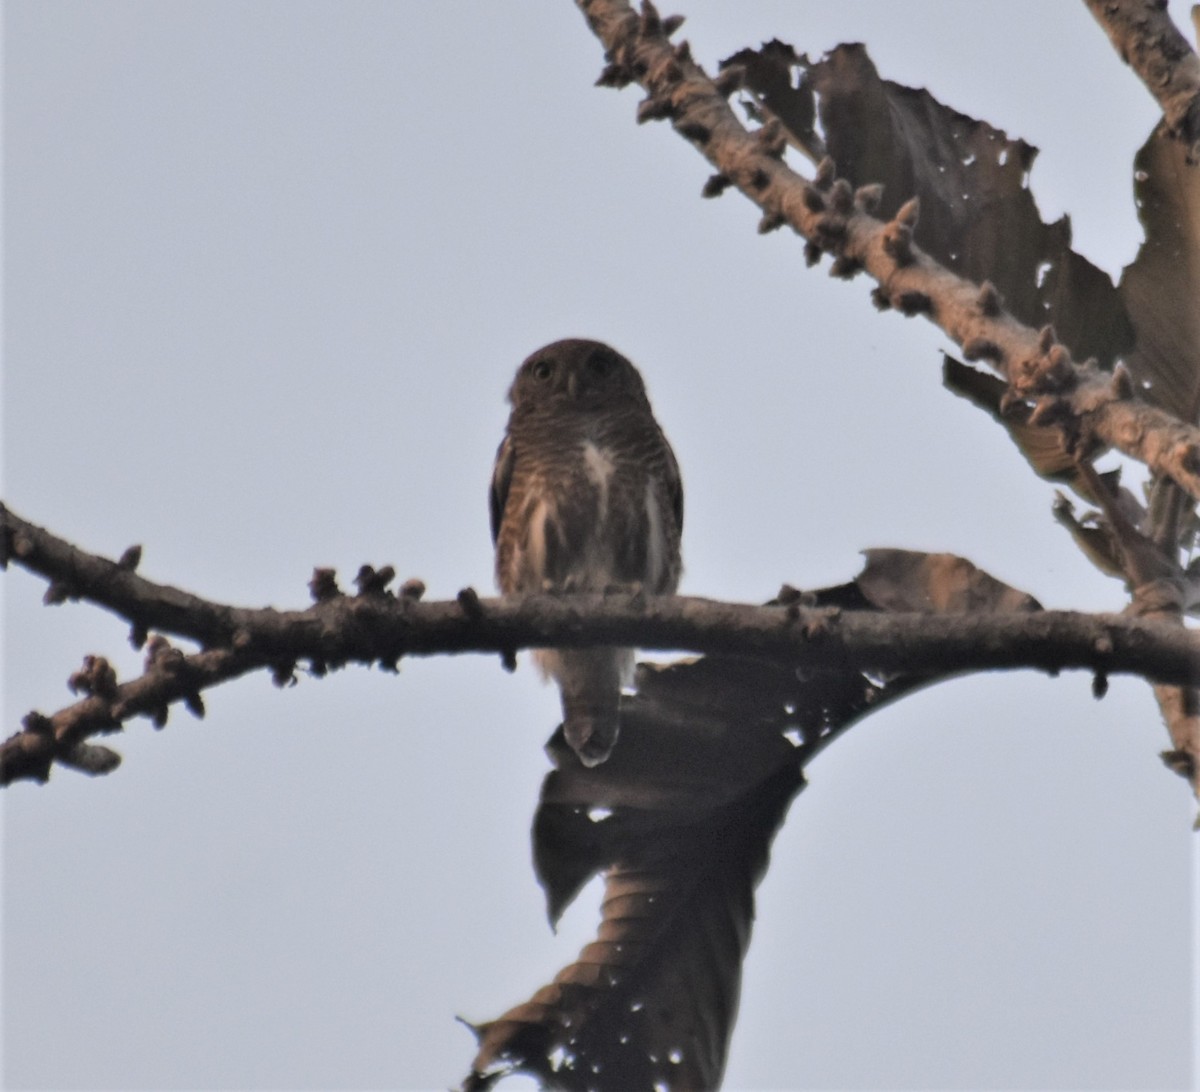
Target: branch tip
[(989, 300), (716, 185), (130, 559), (841, 197), (912, 303), (771, 221), (868, 198), (324, 586), (982, 348), (897, 243), (909, 213), (729, 80), (826, 173), (772, 139), (412, 589), (845, 267), (373, 582), (468, 600)]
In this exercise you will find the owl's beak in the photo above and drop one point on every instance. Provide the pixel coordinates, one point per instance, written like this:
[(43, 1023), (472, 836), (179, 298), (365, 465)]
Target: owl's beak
[(573, 386)]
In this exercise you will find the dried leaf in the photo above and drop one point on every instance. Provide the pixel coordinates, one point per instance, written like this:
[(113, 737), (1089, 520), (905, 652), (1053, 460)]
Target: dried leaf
[(679, 821), (978, 216), (904, 580), (681, 817), (1161, 287), (1043, 446)]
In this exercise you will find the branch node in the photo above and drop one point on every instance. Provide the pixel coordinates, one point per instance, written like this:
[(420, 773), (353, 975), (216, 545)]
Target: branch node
[(56, 592), (96, 677), (671, 24), (91, 758), (729, 80), (982, 348), (912, 303), (374, 582), (38, 723), (1099, 684), (1122, 385), (989, 301), (654, 108), (897, 243), (826, 173), (162, 656), (194, 704), (845, 267), (696, 132), (868, 198), (412, 589), (615, 75), (841, 197), (772, 139), (1179, 762), (651, 23), (468, 600), (909, 213), (283, 673), (508, 660), (716, 185), (130, 559), (771, 221), (812, 253), (788, 594), (324, 586)]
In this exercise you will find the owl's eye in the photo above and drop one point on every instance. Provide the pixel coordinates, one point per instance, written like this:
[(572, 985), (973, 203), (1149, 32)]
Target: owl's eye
[(543, 369)]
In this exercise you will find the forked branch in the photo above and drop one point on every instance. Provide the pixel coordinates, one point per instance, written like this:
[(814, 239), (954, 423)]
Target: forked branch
[(1095, 410)]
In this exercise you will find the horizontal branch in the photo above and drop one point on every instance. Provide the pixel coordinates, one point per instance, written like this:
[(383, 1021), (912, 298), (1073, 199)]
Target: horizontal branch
[(1093, 408), (1147, 39), (379, 627)]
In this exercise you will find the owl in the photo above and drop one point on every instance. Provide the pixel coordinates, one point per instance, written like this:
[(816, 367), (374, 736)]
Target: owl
[(586, 495)]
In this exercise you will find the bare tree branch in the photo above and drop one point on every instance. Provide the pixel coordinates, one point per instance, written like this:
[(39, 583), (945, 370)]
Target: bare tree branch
[(378, 627), (1095, 410), (1147, 39)]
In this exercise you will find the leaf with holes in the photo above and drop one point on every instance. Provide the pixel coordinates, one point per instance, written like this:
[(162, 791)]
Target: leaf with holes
[(680, 818), (978, 216)]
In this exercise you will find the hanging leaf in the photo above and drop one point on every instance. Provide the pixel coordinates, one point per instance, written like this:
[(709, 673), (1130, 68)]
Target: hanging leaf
[(1161, 287), (681, 817), (679, 821)]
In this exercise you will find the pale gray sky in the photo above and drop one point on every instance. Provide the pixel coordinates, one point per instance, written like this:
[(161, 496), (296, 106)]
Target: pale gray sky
[(269, 268)]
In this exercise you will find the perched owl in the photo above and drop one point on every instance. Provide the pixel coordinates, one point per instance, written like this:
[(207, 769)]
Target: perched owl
[(585, 495)]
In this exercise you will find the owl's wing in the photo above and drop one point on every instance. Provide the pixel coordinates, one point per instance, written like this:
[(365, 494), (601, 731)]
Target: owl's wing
[(502, 474), (674, 486)]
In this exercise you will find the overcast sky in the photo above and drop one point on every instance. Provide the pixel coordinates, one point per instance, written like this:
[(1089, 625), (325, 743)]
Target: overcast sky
[(269, 268)]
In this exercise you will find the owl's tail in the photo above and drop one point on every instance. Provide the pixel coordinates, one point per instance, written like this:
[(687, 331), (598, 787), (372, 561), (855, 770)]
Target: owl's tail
[(590, 681)]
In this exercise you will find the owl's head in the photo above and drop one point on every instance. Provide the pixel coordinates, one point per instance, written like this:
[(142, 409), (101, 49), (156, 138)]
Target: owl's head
[(576, 375)]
